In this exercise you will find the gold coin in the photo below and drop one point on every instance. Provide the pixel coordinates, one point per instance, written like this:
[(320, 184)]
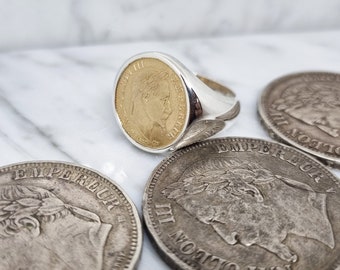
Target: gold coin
[(151, 103)]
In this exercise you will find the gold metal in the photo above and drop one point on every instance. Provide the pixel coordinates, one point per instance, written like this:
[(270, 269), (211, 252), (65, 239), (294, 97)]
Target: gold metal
[(161, 105), (151, 103)]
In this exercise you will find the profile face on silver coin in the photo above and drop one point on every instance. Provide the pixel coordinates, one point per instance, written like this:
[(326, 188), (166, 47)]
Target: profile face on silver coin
[(63, 216), (241, 203), (303, 110)]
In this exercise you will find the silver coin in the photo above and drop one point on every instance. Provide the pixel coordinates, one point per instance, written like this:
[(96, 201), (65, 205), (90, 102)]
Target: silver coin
[(240, 203), (303, 110), (56, 215)]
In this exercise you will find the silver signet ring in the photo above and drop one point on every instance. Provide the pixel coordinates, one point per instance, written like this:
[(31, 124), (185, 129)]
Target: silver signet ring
[(160, 105)]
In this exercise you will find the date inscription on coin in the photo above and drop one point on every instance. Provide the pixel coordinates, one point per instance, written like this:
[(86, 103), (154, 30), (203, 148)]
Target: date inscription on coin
[(244, 204), (151, 103)]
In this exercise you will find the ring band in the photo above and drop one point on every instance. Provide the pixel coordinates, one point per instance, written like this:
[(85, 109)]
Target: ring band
[(160, 105)]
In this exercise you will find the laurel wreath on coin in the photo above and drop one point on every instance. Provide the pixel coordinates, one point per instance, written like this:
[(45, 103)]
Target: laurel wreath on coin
[(26, 213)]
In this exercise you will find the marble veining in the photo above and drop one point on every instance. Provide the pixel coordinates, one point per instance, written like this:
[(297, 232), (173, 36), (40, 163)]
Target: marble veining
[(37, 24), (57, 104)]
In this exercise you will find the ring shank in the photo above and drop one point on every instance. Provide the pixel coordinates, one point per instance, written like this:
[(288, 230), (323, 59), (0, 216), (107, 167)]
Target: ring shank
[(217, 101), (216, 86)]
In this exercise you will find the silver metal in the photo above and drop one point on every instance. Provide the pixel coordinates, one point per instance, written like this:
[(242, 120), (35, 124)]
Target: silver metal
[(243, 203), (303, 110), (209, 104), (213, 103), (56, 215)]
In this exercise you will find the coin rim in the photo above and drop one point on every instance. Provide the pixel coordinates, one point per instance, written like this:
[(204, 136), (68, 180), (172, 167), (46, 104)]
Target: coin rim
[(169, 256), (138, 237), (172, 65), (275, 132)]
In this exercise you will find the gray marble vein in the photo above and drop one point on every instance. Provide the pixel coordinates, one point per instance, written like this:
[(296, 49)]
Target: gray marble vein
[(25, 124), (38, 24)]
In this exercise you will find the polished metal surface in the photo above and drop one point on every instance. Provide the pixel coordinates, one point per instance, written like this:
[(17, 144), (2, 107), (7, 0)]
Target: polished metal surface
[(57, 215), (303, 110), (157, 101), (242, 203)]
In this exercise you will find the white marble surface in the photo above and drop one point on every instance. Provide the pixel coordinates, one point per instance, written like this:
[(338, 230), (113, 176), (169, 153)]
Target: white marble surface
[(56, 104), (50, 23)]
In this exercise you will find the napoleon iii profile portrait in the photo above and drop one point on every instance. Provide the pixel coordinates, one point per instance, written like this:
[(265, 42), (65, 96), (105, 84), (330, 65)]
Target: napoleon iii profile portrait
[(40, 231), (151, 106), (316, 104), (247, 204)]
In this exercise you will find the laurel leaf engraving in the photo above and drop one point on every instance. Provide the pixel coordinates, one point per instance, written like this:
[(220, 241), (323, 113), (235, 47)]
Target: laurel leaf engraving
[(4, 215), (49, 210), (4, 203), (27, 211), (29, 202), (51, 206), (83, 214), (12, 207)]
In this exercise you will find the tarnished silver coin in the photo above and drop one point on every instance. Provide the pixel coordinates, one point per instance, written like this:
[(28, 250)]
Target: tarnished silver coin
[(239, 203), (303, 110), (61, 216)]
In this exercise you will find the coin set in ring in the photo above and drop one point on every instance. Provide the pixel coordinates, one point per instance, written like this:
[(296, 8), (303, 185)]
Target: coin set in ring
[(227, 203)]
